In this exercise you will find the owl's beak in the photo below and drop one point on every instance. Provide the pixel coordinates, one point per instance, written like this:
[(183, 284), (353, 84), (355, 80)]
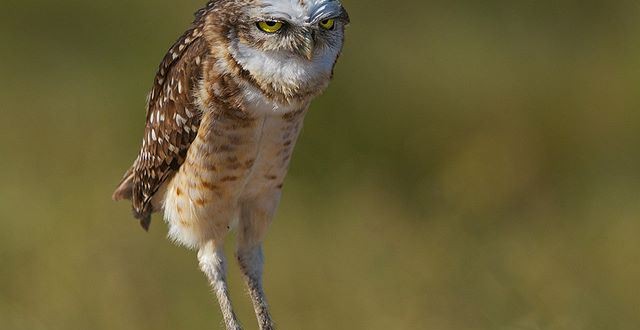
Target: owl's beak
[(309, 51), (307, 45)]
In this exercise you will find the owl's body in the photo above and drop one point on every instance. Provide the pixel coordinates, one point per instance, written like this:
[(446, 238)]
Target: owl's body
[(232, 163), (223, 117)]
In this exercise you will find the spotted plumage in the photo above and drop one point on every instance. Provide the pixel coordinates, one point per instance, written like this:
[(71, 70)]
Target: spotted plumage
[(223, 115), (172, 122)]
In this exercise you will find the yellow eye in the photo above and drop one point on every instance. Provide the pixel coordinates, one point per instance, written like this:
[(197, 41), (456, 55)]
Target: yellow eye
[(270, 26), (328, 24)]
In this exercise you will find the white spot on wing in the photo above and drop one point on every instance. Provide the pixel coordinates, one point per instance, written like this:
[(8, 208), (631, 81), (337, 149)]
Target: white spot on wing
[(180, 120)]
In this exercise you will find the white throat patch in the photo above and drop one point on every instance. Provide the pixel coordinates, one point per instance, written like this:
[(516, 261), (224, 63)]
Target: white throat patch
[(286, 73)]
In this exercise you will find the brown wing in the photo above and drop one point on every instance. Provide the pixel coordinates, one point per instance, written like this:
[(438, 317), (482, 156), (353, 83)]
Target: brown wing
[(172, 122)]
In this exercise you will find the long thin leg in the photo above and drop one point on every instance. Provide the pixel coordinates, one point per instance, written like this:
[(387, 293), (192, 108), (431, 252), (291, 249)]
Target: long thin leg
[(251, 262), (213, 264), (255, 218)]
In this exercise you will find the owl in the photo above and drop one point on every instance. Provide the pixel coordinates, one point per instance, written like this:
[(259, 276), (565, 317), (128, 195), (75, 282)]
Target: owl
[(225, 111)]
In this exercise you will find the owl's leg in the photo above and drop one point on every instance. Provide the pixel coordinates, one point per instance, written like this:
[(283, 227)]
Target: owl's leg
[(254, 220), (251, 263), (213, 264)]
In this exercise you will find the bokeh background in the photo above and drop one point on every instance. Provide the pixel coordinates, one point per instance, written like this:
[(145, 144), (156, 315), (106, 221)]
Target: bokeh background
[(474, 165)]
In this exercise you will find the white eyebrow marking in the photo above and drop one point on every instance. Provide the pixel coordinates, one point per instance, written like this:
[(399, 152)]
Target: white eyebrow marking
[(299, 12)]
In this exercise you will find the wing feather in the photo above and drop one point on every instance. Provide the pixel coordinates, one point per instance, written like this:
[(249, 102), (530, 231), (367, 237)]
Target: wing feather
[(172, 120)]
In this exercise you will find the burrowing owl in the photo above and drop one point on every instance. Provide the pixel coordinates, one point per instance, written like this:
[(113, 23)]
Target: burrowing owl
[(224, 113)]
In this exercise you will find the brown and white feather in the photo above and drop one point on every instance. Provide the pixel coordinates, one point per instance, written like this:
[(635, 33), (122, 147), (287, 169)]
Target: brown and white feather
[(172, 122)]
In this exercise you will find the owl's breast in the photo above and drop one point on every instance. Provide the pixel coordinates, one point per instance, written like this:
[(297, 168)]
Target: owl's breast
[(231, 160)]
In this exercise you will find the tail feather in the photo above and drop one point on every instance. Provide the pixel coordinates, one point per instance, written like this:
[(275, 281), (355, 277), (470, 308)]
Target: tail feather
[(125, 188), (125, 191), (145, 222)]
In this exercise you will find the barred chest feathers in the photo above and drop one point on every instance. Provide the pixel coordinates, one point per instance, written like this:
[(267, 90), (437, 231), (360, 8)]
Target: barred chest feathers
[(234, 158)]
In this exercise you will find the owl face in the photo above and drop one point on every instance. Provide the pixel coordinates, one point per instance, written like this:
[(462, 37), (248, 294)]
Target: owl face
[(300, 28), (290, 45)]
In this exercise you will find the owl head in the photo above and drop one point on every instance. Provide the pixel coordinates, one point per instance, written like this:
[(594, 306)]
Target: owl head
[(289, 46)]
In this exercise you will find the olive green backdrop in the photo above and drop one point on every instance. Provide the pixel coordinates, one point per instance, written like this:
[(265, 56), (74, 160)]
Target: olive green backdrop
[(474, 165)]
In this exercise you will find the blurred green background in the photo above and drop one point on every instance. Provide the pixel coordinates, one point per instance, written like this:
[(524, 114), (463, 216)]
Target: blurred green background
[(474, 165)]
